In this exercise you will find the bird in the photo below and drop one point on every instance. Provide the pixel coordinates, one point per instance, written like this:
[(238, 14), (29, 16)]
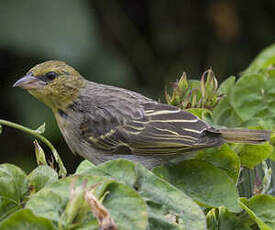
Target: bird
[(102, 122)]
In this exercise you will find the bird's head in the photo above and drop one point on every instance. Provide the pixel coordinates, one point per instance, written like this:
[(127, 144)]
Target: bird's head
[(53, 82)]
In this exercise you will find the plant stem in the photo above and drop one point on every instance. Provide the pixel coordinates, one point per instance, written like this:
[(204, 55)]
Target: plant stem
[(62, 170)]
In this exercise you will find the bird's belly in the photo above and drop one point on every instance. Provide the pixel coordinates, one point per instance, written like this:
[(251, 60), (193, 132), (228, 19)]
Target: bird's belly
[(97, 156)]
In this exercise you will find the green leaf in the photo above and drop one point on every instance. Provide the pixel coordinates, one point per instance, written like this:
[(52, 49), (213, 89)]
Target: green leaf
[(12, 182), (268, 102), (247, 98), (229, 221), (249, 102), (261, 208), (263, 60), (272, 155), (13, 186), (224, 113), (155, 191), (7, 207), (200, 112), (25, 219), (252, 155), (83, 166), (203, 182), (1, 129), (246, 104), (224, 158), (124, 204), (113, 169), (41, 176), (126, 207), (225, 88), (178, 204), (159, 221), (272, 142)]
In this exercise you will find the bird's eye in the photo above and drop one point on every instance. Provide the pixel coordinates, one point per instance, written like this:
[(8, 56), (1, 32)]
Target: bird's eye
[(51, 75)]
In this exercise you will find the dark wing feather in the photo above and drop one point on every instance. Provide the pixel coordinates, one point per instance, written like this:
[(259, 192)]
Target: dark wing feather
[(160, 130), (169, 130)]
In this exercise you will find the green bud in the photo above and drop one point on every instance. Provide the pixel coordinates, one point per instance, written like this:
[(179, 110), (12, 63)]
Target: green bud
[(74, 206), (183, 83), (41, 128), (195, 94), (267, 177), (39, 154), (211, 219), (167, 97)]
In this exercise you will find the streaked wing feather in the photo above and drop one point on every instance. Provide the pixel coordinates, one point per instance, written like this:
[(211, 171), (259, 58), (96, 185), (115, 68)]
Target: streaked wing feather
[(163, 130)]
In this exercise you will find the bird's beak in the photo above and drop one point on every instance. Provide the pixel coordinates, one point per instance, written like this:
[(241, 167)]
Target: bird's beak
[(29, 82)]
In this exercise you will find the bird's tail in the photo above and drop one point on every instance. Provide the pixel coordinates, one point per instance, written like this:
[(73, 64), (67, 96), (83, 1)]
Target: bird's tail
[(250, 136)]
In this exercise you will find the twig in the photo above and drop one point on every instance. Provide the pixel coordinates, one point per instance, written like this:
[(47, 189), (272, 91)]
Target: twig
[(62, 170)]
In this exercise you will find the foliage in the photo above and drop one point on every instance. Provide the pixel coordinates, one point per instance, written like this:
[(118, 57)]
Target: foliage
[(198, 193), (195, 94)]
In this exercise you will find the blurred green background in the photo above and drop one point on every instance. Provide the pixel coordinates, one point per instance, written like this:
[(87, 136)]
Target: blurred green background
[(140, 45)]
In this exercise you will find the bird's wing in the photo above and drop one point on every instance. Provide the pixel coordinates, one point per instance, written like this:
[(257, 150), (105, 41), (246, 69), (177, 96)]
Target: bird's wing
[(161, 129)]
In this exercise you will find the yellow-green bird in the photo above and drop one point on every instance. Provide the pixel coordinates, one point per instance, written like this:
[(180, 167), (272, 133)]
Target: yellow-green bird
[(102, 122)]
